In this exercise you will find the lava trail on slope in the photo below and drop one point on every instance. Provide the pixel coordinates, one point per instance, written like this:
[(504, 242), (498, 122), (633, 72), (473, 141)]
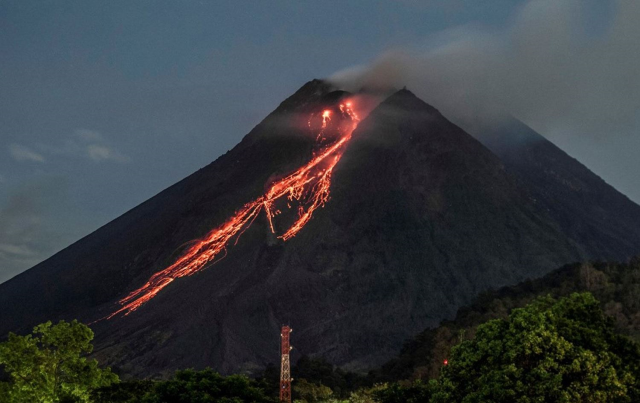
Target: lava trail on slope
[(308, 186)]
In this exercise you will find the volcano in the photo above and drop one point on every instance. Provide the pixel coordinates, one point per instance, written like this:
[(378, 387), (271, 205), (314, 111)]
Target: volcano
[(358, 228)]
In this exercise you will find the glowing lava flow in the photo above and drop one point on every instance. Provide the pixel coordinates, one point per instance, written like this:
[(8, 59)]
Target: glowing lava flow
[(309, 185)]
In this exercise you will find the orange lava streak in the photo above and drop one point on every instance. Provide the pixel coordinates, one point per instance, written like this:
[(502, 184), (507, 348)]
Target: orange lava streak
[(294, 186), (326, 115)]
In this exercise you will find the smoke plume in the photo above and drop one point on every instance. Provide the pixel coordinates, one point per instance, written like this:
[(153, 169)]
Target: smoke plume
[(553, 67)]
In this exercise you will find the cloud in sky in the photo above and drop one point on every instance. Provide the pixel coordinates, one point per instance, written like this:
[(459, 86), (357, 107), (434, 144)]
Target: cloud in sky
[(99, 153), (85, 143), (22, 153), (88, 135), (92, 144)]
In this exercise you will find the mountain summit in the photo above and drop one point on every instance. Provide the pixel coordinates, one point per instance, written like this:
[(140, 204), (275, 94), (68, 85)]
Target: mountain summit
[(418, 219)]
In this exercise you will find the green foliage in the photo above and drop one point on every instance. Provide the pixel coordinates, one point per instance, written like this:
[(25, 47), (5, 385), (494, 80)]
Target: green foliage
[(615, 285), (319, 371), (50, 365), (416, 392), (307, 392), (565, 350), (367, 395), (124, 392), (269, 380), (206, 386), (549, 351)]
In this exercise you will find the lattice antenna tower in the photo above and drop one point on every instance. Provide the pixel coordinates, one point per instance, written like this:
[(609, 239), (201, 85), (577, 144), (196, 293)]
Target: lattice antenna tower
[(285, 365)]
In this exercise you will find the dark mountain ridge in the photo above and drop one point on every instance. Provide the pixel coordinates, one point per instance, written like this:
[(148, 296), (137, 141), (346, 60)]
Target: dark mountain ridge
[(422, 218), (588, 209)]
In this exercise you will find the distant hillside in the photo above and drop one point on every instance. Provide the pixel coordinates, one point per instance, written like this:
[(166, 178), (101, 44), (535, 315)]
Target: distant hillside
[(615, 285)]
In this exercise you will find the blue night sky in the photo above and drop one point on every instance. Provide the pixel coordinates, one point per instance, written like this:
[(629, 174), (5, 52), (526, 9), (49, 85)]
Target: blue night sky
[(105, 103)]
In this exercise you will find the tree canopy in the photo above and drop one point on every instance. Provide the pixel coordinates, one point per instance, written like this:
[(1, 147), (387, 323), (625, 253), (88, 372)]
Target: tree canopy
[(207, 386), (187, 386), (50, 365), (615, 285), (549, 351)]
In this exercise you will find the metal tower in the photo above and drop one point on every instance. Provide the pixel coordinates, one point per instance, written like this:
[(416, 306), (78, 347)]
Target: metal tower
[(285, 366)]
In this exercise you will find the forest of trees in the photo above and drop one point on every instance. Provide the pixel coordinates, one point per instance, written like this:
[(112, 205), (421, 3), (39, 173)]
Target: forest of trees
[(615, 285), (570, 336)]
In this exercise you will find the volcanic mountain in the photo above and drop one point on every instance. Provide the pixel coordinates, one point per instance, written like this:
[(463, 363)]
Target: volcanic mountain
[(588, 210), (358, 239)]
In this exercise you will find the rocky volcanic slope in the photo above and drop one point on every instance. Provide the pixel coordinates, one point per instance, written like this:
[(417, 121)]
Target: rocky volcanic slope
[(102, 267), (588, 210), (422, 217)]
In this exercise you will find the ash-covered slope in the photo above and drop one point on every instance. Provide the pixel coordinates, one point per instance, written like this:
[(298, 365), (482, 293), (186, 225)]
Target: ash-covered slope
[(421, 218), (589, 211), (100, 268)]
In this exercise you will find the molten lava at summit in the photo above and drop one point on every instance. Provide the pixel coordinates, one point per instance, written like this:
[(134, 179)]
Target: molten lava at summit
[(308, 188)]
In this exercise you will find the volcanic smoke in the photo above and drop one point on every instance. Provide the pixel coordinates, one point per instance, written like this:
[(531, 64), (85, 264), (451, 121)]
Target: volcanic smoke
[(308, 186)]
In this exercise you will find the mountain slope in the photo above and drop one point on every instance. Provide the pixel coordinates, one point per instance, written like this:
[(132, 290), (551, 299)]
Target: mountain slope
[(422, 217), (102, 266), (590, 211)]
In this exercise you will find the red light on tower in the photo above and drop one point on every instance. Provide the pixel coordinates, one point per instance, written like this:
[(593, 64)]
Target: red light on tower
[(445, 362), (285, 365)]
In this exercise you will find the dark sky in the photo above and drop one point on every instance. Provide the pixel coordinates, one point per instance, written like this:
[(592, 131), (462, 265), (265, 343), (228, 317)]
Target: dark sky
[(105, 103)]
